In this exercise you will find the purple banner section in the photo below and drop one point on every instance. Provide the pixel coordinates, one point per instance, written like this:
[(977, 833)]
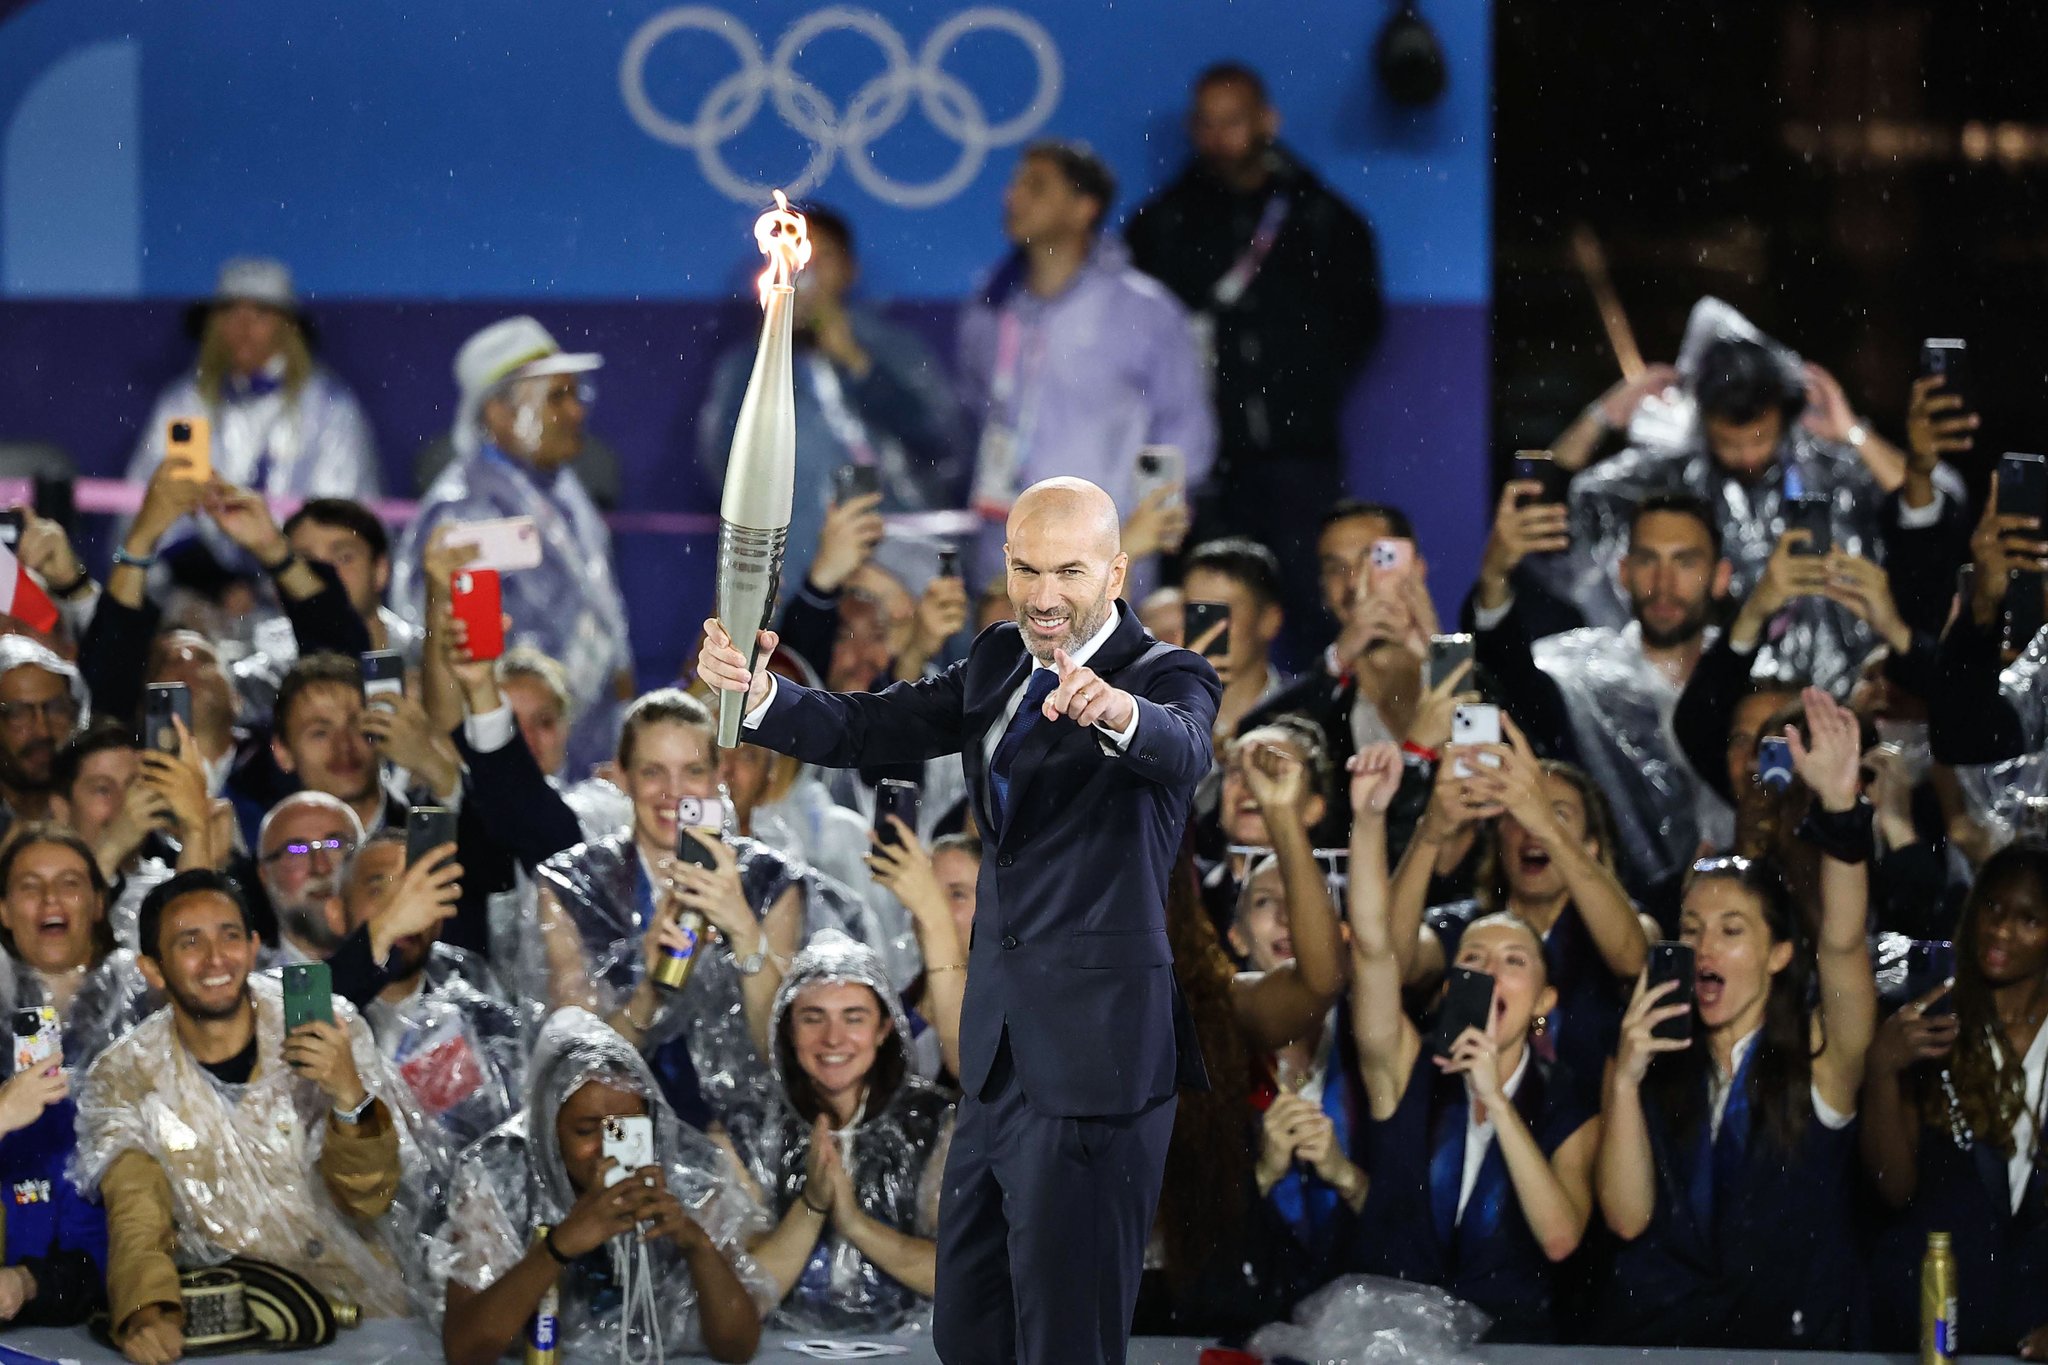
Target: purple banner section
[(83, 375)]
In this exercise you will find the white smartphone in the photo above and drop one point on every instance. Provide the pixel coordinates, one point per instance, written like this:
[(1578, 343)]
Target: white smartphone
[(1476, 723), (629, 1142), (507, 544), (38, 1037), (1160, 467)]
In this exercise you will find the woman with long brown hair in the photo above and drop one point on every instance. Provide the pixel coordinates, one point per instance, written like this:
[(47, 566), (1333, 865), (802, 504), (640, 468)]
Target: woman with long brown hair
[(1953, 1107)]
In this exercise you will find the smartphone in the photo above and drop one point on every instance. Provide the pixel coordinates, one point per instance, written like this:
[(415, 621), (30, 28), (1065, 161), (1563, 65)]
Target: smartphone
[(1158, 467), (188, 444), (1393, 555), (1446, 652), (477, 601), (427, 828), (1537, 466), (507, 544), (1774, 762), (162, 702), (1198, 619), (383, 674), (308, 994), (1467, 1003), (851, 481), (1671, 961), (629, 1142), (2022, 492), (900, 798), (56, 499), (1811, 515), (12, 522), (1475, 723), (38, 1038), (1949, 357), (1929, 962), (949, 561), (705, 814)]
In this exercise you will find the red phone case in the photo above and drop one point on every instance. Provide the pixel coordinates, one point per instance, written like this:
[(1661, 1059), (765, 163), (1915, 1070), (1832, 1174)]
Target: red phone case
[(476, 603)]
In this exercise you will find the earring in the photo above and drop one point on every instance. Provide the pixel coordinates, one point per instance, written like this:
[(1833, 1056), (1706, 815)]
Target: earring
[(1541, 1026)]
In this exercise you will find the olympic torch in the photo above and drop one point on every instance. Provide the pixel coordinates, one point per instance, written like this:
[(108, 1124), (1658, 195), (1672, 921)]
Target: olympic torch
[(760, 474)]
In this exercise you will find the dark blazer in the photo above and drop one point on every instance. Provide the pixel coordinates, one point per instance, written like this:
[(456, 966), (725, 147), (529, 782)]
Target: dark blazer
[(1069, 955)]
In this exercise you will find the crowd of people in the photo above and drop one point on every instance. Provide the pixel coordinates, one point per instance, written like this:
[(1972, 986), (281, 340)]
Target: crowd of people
[(1657, 960)]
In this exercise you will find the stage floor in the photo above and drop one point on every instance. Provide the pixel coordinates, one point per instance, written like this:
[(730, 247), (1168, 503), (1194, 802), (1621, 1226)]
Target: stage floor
[(387, 1343)]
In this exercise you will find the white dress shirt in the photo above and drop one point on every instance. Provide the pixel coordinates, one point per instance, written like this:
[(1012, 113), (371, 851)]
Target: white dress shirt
[(1479, 1130)]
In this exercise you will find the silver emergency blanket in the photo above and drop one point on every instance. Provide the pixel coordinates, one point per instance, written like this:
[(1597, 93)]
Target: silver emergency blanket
[(1369, 1320), (808, 826), (596, 958), (513, 1180), (458, 1043), (1814, 639), (1620, 706), (895, 1152), (111, 1000), (314, 444), (242, 1159), (568, 606)]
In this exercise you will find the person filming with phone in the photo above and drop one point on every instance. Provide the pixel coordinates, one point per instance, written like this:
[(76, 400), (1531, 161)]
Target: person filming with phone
[(1953, 1107), (1727, 1167), (213, 1129), (1083, 739), (541, 1218), (1478, 1151)]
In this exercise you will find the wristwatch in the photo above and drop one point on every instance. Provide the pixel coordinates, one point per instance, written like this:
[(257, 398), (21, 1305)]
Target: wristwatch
[(752, 963), (1856, 435), (352, 1117)]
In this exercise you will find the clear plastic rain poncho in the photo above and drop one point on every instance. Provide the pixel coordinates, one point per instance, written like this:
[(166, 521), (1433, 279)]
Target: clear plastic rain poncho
[(808, 825), (242, 1159), (1370, 1320), (313, 444), (895, 1151), (2011, 798), (514, 1179), (19, 651), (597, 957), (458, 1044), (111, 1000), (568, 606), (1620, 706), (1814, 639)]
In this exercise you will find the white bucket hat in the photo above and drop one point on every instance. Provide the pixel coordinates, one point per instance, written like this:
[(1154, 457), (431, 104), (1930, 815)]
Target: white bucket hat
[(513, 348)]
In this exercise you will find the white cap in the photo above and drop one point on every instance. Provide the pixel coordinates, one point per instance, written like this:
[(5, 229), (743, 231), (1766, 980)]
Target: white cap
[(256, 279), (515, 348)]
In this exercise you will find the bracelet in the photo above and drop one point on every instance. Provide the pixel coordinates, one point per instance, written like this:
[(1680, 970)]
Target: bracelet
[(554, 1252), (805, 1195), (354, 1116), (627, 1010), (121, 556), (71, 588), (284, 565), (1409, 746), (930, 970)]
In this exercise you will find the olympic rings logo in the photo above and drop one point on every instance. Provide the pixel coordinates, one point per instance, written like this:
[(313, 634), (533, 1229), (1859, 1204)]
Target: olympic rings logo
[(873, 110)]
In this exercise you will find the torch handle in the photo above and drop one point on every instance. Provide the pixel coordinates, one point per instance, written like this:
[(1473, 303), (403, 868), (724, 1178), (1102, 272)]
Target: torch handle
[(749, 573)]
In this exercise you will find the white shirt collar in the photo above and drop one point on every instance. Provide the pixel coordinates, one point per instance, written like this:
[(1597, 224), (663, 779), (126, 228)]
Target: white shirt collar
[(1477, 1115), (1078, 657)]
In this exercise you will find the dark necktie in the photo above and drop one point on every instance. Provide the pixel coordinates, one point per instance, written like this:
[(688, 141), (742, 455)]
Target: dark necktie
[(1029, 714)]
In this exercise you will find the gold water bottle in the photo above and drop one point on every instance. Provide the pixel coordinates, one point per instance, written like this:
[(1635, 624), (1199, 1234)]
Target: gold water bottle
[(1938, 1302), (672, 970), (543, 1329)]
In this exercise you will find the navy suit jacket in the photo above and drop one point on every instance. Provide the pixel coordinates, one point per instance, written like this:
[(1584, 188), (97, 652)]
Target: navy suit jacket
[(1069, 952)]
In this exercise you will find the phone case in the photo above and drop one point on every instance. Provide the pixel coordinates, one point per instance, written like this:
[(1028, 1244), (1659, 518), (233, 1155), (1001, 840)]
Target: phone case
[(1468, 1003), (1476, 724), (901, 799), (477, 602), (427, 827), (190, 440), (503, 544), (1446, 652), (162, 701), (629, 1142), (308, 994), (1674, 962), (42, 1044)]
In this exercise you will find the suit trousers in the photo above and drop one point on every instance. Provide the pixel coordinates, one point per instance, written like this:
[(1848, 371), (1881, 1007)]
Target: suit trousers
[(1042, 1228)]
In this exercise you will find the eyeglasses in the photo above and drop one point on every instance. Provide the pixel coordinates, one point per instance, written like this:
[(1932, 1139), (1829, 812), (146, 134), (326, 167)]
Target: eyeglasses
[(303, 852), (56, 713)]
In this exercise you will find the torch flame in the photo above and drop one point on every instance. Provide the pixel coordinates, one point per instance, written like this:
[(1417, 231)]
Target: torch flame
[(785, 240)]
